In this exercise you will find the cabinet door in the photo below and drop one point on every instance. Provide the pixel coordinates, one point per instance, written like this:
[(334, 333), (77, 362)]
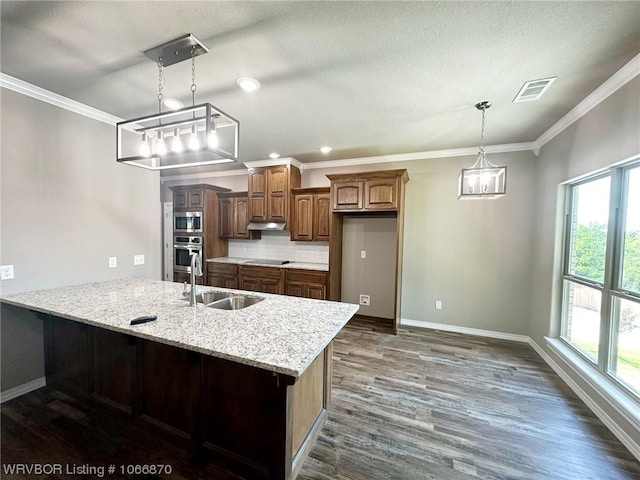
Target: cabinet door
[(302, 228), (230, 282), (321, 217), (241, 217), (216, 280), (381, 194), (270, 285), (347, 195), (226, 218), (317, 291), (180, 200), (277, 205), (277, 180), (114, 368), (195, 198), (251, 284), (257, 194), (68, 356), (295, 289)]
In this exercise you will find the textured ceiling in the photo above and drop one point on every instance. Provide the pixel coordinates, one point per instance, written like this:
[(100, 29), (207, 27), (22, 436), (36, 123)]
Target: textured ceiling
[(367, 78)]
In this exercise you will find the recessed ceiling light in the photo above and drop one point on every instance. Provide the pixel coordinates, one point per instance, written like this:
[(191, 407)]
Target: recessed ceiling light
[(248, 84), (274, 155), (325, 149), (172, 104)]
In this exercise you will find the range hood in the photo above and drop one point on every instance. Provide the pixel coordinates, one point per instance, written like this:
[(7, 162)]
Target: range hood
[(266, 226)]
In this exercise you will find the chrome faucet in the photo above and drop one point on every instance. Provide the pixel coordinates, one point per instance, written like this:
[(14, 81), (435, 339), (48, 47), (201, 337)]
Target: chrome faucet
[(196, 270)]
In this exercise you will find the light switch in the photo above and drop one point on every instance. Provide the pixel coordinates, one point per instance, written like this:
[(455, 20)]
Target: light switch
[(363, 254)]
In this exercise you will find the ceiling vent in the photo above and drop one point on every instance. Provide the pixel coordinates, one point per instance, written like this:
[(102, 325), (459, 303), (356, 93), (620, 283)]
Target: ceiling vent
[(533, 89)]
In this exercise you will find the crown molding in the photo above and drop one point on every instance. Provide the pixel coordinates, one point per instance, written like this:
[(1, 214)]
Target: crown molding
[(196, 176), (33, 91), (408, 157), (610, 86), (270, 162)]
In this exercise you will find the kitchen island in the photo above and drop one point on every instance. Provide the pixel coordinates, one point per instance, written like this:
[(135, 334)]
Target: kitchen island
[(250, 385)]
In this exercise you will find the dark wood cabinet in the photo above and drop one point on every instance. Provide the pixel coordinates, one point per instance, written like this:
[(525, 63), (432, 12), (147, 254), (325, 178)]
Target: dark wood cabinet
[(311, 214), (114, 375), (182, 277), (306, 283), (269, 192), (234, 216), (222, 275), (186, 199), (261, 279), (263, 423), (368, 192), (68, 355)]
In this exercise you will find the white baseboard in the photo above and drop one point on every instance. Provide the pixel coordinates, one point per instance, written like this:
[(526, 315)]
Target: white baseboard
[(597, 410), (406, 322), (22, 389)]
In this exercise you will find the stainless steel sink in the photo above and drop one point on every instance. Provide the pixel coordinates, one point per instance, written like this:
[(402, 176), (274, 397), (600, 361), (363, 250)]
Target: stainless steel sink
[(235, 302), (209, 297)]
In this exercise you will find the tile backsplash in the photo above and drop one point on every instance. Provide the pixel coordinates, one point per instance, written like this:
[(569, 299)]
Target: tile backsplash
[(277, 245)]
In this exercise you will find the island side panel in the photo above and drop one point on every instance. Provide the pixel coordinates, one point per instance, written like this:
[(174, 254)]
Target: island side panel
[(246, 416)]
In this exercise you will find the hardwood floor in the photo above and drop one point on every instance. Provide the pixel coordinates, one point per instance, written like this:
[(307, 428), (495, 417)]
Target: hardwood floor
[(420, 405)]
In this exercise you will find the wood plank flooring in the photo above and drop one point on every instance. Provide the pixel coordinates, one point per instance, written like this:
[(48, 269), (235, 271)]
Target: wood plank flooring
[(420, 405)]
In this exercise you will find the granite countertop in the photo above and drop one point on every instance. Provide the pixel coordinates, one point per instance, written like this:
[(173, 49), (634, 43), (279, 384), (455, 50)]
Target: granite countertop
[(282, 334), (298, 265)]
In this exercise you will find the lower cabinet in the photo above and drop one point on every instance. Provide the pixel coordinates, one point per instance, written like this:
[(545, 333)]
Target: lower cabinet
[(182, 277), (306, 283), (261, 279), (222, 275), (263, 423)]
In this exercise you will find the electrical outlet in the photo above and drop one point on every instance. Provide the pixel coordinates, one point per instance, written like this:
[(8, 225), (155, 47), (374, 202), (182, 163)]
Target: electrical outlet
[(438, 305), (113, 262), (365, 300), (6, 272), (138, 259), (363, 254)]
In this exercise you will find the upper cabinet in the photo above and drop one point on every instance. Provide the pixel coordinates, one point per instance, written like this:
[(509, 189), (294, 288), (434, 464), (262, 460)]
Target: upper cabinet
[(234, 216), (367, 192), (311, 214), (189, 198), (270, 191)]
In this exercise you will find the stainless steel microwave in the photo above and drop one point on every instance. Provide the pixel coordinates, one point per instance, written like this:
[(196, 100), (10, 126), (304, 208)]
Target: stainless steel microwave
[(187, 222)]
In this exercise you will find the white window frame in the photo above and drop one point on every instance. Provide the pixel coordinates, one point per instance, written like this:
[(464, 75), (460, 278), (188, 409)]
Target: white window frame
[(610, 288)]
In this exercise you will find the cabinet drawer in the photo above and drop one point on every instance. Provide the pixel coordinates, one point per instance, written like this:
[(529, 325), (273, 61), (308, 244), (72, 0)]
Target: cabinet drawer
[(306, 276), (222, 268), (261, 272)]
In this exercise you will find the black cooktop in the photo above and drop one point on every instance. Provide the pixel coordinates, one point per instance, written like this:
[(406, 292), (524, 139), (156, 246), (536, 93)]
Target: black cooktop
[(268, 262)]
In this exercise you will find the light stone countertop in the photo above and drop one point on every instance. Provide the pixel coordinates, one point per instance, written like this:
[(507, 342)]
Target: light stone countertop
[(282, 334), (297, 265)]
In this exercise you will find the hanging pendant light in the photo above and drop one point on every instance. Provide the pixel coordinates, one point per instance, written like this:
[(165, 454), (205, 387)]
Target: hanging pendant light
[(141, 141), (483, 179)]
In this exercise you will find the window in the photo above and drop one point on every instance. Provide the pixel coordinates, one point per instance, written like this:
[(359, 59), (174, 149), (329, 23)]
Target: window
[(601, 273)]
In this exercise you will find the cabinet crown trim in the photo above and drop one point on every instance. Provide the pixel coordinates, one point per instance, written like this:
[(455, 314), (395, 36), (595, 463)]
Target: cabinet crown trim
[(401, 173)]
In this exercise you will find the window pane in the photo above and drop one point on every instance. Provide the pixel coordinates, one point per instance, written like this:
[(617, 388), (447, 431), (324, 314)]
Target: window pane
[(625, 362), (582, 317), (631, 248), (588, 234)]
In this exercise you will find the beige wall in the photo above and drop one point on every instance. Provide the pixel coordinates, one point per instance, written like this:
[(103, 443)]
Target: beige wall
[(374, 275), (473, 255), (67, 206), (607, 135)]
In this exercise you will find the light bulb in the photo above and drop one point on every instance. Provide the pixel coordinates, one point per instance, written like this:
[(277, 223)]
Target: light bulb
[(176, 145), (161, 147), (194, 143), (485, 178), (212, 140), (145, 150)]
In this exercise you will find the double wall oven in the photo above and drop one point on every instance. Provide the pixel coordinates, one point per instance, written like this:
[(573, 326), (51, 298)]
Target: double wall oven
[(183, 247)]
